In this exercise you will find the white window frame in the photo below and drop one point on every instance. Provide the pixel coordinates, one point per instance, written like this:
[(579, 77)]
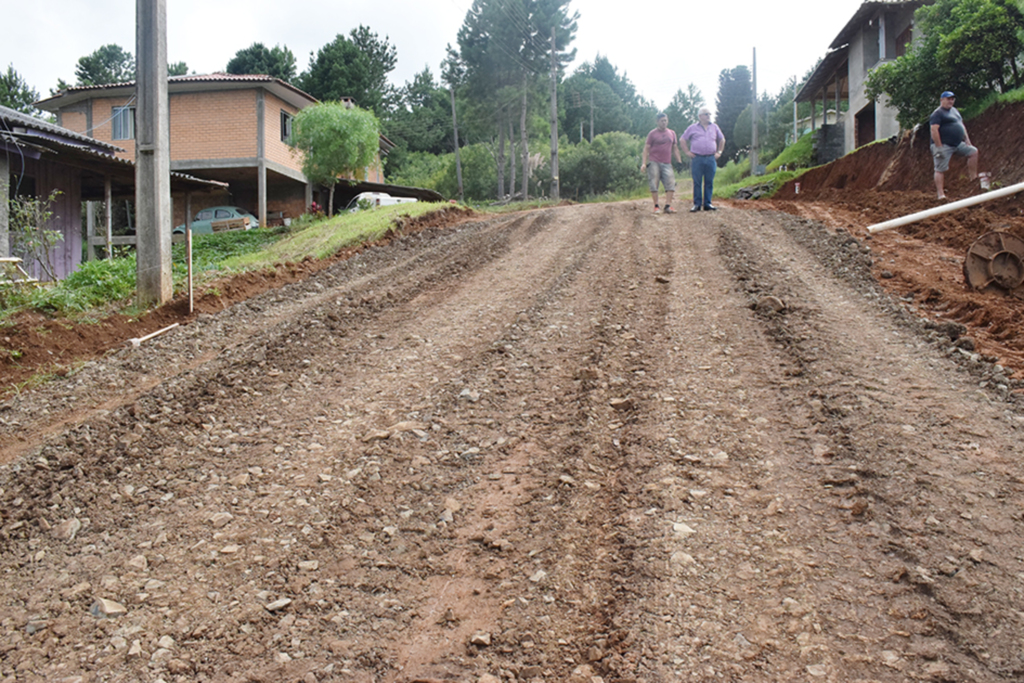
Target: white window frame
[(120, 118)]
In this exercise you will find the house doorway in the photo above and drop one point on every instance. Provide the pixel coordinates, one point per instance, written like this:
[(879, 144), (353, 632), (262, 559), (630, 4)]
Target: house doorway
[(865, 130)]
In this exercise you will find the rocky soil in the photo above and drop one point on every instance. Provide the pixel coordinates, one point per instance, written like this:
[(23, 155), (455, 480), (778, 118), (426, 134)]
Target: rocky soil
[(580, 444)]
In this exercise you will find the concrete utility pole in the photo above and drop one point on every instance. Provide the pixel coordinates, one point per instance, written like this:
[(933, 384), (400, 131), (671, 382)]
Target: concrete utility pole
[(591, 114), (795, 132), (458, 159), (554, 119), (152, 155), (5, 179), (754, 142)]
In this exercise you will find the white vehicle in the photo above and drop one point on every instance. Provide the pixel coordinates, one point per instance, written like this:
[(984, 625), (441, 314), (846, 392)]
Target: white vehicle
[(370, 200)]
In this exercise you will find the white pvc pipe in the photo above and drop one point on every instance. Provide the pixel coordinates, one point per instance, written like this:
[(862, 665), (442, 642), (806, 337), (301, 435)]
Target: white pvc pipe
[(946, 208), (137, 342)]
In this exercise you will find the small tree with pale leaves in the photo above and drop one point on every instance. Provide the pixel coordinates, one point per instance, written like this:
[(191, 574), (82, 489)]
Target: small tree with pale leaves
[(335, 141)]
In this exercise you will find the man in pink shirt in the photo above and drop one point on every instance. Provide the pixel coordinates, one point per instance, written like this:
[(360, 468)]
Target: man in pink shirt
[(703, 142), (657, 160)]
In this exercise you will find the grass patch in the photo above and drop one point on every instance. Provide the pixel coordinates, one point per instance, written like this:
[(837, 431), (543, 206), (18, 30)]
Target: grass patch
[(777, 180), (975, 109), (797, 155), (103, 286), (325, 238)]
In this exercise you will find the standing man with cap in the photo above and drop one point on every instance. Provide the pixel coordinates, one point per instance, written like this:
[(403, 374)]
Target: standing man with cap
[(660, 148), (949, 137), (704, 143)]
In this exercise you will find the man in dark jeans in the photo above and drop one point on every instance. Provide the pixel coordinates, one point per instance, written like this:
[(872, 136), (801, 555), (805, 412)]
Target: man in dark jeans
[(949, 137), (703, 142)]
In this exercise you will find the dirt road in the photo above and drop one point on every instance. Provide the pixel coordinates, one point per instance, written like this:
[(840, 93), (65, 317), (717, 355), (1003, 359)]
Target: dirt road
[(581, 444)]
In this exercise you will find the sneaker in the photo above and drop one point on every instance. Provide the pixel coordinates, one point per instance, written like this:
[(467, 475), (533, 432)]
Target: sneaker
[(710, 207), (695, 209), (669, 209), (657, 209)]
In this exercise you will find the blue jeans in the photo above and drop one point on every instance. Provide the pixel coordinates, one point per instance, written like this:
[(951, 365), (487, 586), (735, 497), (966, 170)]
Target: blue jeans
[(703, 169)]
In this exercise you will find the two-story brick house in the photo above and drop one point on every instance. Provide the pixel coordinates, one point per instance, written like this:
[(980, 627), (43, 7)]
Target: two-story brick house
[(224, 127)]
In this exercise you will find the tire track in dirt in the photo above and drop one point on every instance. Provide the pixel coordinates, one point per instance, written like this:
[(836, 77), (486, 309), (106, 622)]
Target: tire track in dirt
[(567, 435), (873, 464)]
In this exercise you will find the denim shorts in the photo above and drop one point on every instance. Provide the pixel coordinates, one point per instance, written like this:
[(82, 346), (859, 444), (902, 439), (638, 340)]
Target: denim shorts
[(661, 172), (943, 154)]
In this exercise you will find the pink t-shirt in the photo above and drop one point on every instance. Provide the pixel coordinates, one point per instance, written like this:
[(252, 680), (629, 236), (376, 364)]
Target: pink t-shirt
[(661, 143)]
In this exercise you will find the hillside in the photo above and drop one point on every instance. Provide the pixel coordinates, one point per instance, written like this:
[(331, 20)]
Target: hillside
[(922, 263)]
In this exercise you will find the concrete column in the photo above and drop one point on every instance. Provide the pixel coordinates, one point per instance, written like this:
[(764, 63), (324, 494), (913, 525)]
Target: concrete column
[(5, 182), (261, 157), (152, 155)]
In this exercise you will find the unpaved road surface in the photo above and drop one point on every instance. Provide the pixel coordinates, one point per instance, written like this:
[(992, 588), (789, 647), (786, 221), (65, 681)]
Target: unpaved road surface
[(580, 444)]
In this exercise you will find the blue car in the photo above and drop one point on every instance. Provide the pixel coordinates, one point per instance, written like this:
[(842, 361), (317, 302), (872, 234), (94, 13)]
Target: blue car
[(220, 218)]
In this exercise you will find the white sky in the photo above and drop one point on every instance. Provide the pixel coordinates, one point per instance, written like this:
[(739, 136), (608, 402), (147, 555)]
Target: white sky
[(660, 46)]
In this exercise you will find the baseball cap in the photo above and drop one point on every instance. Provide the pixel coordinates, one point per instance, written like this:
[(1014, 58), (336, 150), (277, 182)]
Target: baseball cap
[(948, 94)]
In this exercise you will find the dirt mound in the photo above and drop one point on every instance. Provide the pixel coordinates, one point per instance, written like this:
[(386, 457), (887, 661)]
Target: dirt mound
[(34, 343), (907, 166), (860, 170)]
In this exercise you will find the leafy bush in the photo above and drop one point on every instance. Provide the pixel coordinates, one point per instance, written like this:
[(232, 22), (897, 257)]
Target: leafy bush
[(732, 172), (610, 164)]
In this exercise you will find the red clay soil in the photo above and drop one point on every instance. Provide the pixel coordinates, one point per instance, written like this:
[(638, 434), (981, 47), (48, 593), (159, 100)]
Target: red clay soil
[(922, 262), (33, 344)]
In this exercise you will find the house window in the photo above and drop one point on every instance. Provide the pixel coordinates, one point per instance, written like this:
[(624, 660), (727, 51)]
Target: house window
[(286, 126), (123, 122), (903, 41)]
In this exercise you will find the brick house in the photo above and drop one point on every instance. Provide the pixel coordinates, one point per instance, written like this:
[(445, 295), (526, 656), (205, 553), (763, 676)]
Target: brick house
[(878, 32), (223, 127)]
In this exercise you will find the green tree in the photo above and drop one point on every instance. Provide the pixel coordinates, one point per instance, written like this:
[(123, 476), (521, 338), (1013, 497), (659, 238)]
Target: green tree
[(972, 47), (177, 69), (505, 47), (356, 66), (734, 93), (682, 111), (277, 61), (108, 64), (422, 121), (584, 97), (16, 93), (743, 132), (334, 140)]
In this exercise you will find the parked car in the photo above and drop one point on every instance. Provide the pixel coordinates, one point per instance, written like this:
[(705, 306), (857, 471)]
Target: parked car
[(218, 218), (370, 200)]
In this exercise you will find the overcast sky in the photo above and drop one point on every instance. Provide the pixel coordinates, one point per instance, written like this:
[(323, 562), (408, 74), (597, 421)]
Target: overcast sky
[(660, 46)]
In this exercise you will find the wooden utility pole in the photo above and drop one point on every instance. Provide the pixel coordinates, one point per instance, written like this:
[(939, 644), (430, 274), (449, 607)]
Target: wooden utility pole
[(554, 119), (458, 160), (152, 156), (753, 111)]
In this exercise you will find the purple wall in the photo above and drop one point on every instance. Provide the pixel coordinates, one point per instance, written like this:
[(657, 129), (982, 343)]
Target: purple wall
[(66, 209)]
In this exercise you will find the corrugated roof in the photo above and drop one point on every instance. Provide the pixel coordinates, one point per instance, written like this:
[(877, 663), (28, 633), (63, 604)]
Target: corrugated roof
[(864, 12), (13, 118), (28, 132), (283, 89)]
